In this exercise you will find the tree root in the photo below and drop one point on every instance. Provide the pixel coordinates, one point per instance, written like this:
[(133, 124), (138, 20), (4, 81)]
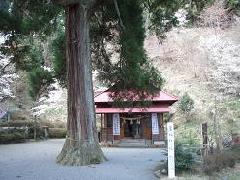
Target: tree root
[(76, 153)]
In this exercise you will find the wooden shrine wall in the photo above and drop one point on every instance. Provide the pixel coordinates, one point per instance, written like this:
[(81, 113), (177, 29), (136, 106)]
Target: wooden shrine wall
[(107, 132)]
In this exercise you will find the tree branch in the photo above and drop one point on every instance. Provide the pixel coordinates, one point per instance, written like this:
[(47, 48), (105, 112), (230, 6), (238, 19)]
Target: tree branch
[(119, 15), (4, 67)]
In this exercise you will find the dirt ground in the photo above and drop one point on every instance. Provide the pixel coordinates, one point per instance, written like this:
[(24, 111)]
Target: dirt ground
[(36, 161)]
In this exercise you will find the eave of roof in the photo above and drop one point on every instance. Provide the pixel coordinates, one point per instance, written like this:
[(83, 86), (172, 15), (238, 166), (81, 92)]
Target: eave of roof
[(104, 97)]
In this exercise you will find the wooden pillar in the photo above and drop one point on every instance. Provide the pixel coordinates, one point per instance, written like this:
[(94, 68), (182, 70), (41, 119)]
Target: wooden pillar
[(101, 130), (104, 127), (147, 130), (151, 128), (162, 133), (205, 139)]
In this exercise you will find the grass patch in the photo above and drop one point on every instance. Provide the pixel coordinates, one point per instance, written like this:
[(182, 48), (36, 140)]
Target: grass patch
[(217, 162)]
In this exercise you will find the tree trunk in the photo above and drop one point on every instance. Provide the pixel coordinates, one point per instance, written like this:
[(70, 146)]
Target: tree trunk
[(81, 146)]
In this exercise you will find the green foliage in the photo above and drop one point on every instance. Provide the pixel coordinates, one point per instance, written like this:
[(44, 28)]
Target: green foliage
[(34, 58), (11, 137), (20, 130), (27, 17), (189, 138), (234, 5), (132, 71), (162, 13), (59, 60), (216, 162), (26, 24), (40, 19), (183, 158), (195, 7), (232, 117), (39, 81), (235, 151), (234, 106), (25, 20), (186, 104), (18, 123)]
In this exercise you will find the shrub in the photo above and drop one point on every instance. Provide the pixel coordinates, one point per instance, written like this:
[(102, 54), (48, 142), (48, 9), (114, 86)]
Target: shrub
[(19, 123), (57, 132), (11, 137), (235, 151), (183, 158), (186, 105), (216, 162)]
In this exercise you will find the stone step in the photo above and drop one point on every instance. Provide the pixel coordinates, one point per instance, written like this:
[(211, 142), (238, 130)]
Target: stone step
[(133, 140), (131, 145)]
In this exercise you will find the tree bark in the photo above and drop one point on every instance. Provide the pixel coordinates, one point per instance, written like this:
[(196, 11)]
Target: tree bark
[(81, 146)]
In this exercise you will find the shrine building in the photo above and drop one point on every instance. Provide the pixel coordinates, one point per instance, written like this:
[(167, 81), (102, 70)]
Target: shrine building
[(137, 125)]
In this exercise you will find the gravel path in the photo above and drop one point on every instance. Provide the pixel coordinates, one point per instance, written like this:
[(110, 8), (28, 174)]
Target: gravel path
[(36, 161)]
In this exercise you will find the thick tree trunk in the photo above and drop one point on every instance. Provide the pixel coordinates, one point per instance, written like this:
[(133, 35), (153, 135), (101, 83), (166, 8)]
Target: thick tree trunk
[(81, 146)]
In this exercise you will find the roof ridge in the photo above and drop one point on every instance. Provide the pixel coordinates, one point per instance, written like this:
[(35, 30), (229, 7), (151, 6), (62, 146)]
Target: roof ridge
[(101, 92), (175, 97)]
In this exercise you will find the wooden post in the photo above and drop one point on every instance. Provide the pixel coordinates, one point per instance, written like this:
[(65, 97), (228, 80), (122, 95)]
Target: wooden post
[(45, 128), (101, 128), (8, 117), (35, 128), (105, 127), (205, 139), (162, 133)]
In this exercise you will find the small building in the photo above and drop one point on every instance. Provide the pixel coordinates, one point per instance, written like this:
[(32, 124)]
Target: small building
[(135, 125)]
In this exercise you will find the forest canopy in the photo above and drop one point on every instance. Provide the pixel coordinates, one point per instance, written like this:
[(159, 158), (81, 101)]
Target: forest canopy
[(117, 30)]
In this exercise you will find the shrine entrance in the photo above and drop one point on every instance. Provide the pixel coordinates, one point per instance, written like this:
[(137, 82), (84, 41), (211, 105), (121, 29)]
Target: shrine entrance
[(132, 129)]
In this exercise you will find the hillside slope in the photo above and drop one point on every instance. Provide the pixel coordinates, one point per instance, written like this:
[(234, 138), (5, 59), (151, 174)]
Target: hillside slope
[(205, 63), (208, 56)]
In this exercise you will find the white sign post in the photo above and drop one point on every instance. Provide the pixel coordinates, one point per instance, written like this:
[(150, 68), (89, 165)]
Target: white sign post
[(116, 124), (171, 161)]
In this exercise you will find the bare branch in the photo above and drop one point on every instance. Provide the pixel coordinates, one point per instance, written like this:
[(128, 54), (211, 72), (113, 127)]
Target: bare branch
[(119, 15), (4, 67)]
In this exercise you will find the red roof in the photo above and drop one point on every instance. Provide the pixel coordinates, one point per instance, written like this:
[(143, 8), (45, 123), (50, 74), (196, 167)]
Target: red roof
[(161, 96), (164, 99)]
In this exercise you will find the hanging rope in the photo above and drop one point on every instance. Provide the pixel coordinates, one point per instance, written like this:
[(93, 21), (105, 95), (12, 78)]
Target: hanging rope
[(135, 118)]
